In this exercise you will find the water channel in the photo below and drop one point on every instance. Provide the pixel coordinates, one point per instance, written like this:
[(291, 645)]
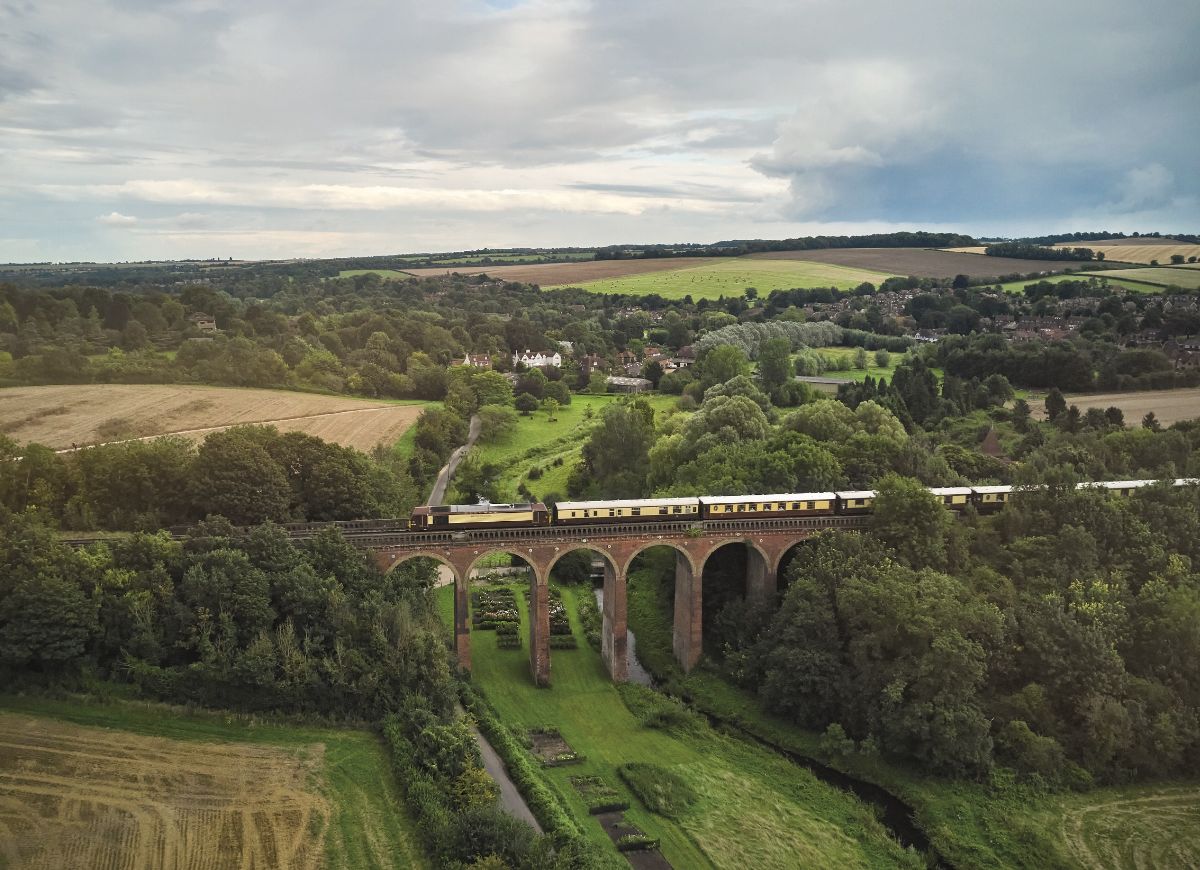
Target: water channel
[(893, 813)]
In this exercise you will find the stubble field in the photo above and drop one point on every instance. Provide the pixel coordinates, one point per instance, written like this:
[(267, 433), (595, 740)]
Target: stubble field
[(86, 797), (1169, 406), (1145, 254), (61, 416)]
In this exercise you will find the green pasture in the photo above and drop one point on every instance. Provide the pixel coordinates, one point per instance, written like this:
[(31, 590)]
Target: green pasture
[(1115, 278), (754, 810), (538, 442), (390, 274), (370, 827), (1163, 276), (731, 276)]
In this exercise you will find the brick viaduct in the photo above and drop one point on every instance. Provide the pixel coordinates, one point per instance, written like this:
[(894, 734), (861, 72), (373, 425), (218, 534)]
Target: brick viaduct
[(766, 542)]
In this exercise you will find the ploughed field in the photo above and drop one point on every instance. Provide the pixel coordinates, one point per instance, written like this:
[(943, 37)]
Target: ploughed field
[(920, 262), (73, 796), (565, 274), (64, 415), (1169, 406)]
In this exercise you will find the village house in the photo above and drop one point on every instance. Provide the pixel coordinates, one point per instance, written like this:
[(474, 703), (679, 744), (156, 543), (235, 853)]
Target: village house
[(538, 359), (477, 360), (591, 363), (204, 322)]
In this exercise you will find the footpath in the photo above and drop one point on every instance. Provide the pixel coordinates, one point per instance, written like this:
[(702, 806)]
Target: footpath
[(510, 797)]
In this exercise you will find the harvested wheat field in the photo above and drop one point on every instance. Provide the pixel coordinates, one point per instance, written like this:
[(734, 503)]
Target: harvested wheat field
[(73, 796), (1143, 251), (1169, 406), (1156, 828), (567, 274), (64, 416)]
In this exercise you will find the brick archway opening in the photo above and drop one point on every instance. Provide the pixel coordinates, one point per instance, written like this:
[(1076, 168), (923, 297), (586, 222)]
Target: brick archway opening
[(536, 629)]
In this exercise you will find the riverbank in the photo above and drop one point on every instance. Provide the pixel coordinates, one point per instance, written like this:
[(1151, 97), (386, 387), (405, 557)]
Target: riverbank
[(754, 808)]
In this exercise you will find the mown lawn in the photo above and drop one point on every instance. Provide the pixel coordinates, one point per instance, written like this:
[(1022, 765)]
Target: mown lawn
[(970, 824), (370, 828), (731, 276), (538, 443), (755, 809)]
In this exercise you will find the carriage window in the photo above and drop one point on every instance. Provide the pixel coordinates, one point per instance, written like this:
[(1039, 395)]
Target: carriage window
[(741, 508), (612, 512), (637, 512), (676, 509), (664, 510)]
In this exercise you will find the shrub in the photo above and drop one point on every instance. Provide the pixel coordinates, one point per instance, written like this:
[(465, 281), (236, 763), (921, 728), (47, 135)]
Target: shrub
[(507, 629), (562, 641), (662, 791), (599, 795), (636, 843)]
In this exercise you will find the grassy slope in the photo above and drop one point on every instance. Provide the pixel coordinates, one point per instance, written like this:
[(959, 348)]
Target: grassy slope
[(756, 810), (970, 824), (731, 276), (370, 828), (871, 370), (1136, 286), (536, 441), (1188, 278)]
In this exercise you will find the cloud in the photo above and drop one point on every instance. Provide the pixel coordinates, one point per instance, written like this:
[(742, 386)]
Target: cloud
[(116, 219), (459, 124)]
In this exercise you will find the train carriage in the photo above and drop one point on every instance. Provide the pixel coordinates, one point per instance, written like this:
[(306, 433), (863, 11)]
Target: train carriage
[(954, 497), (644, 510), (796, 504), (857, 501), (991, 498), (478, 516)]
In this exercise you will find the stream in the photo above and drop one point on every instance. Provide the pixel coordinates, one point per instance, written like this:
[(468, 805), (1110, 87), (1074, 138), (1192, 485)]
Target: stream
[(893, 813)]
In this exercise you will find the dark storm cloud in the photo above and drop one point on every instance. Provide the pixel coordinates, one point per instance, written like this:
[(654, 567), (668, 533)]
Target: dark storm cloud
[(470, 122)]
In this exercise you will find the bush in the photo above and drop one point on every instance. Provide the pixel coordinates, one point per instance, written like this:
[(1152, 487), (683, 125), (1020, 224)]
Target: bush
[(509, 641), (507, 629), (562, 641), (636, 843), (599, 795), (662, 791)]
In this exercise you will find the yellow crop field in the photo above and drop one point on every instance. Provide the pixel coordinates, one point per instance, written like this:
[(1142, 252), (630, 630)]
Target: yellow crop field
[(1141, 254), (63, 416), (72, 796), (1169, 406)]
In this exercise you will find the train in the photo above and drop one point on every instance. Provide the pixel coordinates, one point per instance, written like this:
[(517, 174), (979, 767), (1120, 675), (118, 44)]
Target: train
[(485, 515)]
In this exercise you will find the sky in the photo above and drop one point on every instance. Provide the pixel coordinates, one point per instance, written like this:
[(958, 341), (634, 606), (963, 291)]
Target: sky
[(258, 129)]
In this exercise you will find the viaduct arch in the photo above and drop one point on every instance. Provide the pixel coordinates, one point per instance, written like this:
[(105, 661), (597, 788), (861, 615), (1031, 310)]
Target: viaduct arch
[(766, 542)]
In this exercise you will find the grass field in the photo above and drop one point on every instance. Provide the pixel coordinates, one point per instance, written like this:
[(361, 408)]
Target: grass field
[(731, 276), (921, 262), (1186, 278), (125, 785), (565, 274), (755, 809), (382, 273), (1135, 286), (538, 442), (59, 416), (1169, 406)]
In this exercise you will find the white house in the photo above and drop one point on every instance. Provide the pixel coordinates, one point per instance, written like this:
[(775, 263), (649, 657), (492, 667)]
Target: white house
[(538, 360)]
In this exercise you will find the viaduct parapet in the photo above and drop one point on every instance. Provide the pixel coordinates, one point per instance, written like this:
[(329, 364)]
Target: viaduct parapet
[(766, 543)]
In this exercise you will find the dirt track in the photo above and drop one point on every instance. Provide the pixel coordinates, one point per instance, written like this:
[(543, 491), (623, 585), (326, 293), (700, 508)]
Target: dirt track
[(553, 274), (72, 796), (60, 416)]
